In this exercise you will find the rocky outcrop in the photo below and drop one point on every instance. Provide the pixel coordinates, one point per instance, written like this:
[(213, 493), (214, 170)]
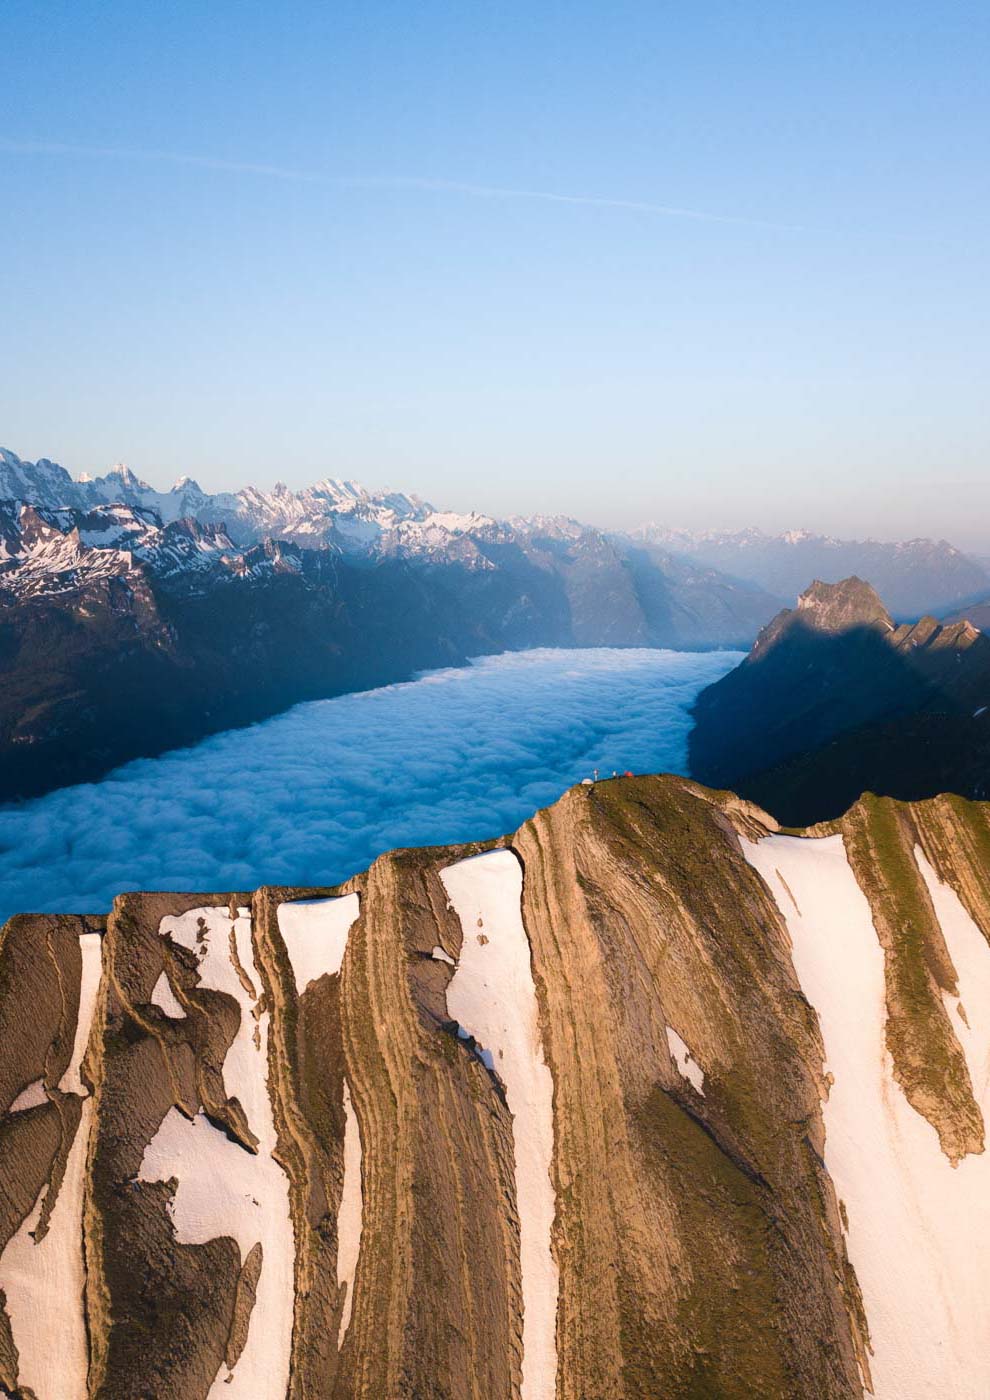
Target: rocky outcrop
[(834, 700), (647, 1098), (832, 607)]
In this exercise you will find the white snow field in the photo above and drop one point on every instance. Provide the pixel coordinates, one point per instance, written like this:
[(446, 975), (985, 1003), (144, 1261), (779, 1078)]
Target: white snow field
[(686, 1063), (31, 1097), (315, 935), (222, 1188), (351, 1213), (165, 999), (917, 1226), (458, 755), (314, 932), (492, 996), (44, 1282)]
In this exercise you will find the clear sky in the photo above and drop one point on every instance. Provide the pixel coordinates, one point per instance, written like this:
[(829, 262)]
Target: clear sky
[(438, 246)]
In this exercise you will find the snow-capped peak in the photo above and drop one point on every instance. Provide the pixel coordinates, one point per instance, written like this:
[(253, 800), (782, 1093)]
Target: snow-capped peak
[(338, 489)]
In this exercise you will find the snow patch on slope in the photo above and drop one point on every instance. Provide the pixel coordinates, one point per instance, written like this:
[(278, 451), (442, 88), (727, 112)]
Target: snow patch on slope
[(493, 995), (315, 935), (350, 1215), (916, 1224), (686, 1064), (165, 999), (44, 1281), (31, 1097), (222, 1188)]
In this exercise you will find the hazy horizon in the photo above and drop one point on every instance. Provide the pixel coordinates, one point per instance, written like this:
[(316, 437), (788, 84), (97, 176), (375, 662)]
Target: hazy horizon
[(716, 267)]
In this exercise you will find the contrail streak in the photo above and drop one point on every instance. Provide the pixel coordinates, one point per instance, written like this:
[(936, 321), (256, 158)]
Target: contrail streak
[(594, 201), (390, 182), (59, 148)]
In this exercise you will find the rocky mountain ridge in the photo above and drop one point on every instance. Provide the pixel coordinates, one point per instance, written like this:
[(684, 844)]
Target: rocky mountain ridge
[(835, 700), (312, 515), (47, 552), (646, 1098), (915, 576), (660, 597), (125, 632)]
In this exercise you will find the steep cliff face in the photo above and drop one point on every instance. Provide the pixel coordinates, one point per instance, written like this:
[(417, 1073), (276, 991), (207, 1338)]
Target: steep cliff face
[(647, 1099)]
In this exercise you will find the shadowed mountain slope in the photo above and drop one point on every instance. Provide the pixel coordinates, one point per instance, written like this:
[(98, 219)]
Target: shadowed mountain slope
[(835, 700), (126, 631), (646, 1099), (977, 613)]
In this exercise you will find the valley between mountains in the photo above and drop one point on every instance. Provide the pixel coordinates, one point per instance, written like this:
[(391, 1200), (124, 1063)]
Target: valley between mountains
[(134, 621), (648, 1098)]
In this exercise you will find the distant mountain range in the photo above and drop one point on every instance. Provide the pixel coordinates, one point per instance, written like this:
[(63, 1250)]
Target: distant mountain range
[(330, 513), (607, 589), (913, 576), (133, 620), (835, 700)]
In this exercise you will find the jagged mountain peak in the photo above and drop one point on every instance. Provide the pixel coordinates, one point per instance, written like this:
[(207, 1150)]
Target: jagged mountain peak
[(128, 478), (834, 700), (337, 488), (188, 485), (553, 526), (823, 610), (837, 607), (795, 537)]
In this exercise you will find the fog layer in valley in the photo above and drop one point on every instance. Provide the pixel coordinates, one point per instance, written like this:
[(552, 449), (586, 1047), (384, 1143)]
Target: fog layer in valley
[(317, 793)]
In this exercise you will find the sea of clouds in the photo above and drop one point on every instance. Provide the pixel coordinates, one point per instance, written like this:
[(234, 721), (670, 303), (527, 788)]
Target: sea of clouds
[(315, 794)]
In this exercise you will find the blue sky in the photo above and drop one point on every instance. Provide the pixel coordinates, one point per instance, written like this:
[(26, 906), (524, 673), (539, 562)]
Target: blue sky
[(255, 242)]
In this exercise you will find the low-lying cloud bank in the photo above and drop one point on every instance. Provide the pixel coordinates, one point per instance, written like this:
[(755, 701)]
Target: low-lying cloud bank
[(317, 793)]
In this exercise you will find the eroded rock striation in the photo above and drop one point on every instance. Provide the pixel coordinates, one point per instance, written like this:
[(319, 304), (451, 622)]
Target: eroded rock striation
[(649, 1098)]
